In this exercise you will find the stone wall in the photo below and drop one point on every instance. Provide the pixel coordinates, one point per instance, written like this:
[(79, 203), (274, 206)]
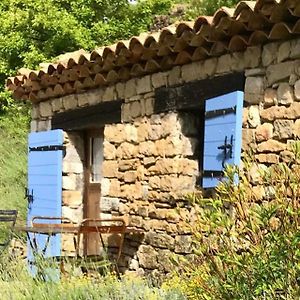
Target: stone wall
[(72, 184), (150, 160)]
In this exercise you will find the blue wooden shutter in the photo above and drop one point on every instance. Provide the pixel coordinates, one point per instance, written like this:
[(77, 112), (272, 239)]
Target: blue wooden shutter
[(223, 126), (45, 182)]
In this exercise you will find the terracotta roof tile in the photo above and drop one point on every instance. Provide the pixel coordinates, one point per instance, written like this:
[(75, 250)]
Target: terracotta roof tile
[(229, 30)]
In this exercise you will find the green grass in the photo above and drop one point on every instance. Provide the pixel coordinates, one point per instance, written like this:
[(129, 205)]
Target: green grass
[(16, 283), (14, 127)]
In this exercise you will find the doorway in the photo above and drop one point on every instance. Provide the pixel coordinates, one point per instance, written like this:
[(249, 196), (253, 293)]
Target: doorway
[(93, 176)]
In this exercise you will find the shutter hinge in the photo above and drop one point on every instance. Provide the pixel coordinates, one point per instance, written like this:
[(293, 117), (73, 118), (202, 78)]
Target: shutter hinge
[(212, 174), (220, 112), (47, 148)]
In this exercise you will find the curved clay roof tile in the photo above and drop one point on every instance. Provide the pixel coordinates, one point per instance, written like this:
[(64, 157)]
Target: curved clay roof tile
[(182, 58), (112, 76), (238, 43), (296, 28), (152, 66), (222, 13), (258, 37), (280, 31), (184, 27), (244, 6), (124, 73), (137, 70), (200, 21)]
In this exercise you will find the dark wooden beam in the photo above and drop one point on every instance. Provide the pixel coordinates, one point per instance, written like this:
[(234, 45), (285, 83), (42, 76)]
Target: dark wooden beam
[(192, 95), (89, 117)]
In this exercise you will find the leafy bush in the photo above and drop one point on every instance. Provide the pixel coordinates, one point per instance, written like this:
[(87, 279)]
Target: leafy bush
[(247, 245)]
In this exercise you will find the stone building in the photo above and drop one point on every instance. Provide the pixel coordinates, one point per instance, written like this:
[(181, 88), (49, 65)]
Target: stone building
[(135, 118)]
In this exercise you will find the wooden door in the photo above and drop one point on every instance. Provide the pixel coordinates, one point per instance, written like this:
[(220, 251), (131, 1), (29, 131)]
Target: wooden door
[(93, 176)]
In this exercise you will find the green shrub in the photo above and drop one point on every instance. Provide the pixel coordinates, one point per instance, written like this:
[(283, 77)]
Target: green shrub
[(247, 245)]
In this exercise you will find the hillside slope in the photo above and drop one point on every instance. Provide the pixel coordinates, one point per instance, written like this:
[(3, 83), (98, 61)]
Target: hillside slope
[(13, 160)]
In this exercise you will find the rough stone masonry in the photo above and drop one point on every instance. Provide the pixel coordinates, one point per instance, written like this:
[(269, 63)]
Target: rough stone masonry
[(150, 160)]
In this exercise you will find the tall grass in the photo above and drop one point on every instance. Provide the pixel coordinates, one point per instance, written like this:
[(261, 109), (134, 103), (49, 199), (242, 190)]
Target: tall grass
[(14, 128), (16, 283)]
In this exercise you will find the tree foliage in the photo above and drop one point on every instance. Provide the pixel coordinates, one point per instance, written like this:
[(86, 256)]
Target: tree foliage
[(32, 31)]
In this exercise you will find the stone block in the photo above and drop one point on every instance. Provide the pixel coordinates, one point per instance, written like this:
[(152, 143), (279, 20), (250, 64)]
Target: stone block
[(269, 54), (254, 85), (147, 148), (253, 98), (159, 79), (165, 261), (130, 176), (114, 188), (126, 113), (109, 204), (148, 257), (72, 167), (174, 77), (135, 109), (110, 169), (130, 88), (72, 198), (283, 129), (210, 66), (35, 111), (269, 158), (248, 139), (105, 186), (285, 94), (74, 214), (297, 90), (193, 71), (183, 244), (270, 97), (57, 104), (293, 112), (44, 125), (258, 193), (149, 106), (271, 146), (160, 240), (143, 131), (45, 109), (224, 64), (127, 151), (110, 93), (94, 97), (284, 51), (255, 72), (280, 72), (287, 156), (144, 85), (252, 57), (131, 133), (253, 116), (273, 113), (115, 133), (70, 102), (264, 132), (120, 89), (33, 126), (295, 49), (82, 99), (130, 164), (238, 62), (154, 182), (109, 151), (296, 129)]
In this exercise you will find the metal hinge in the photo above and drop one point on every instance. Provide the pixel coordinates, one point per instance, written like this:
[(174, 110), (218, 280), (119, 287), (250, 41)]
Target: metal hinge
[(47, 148), (212, 173), (220, 112)]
